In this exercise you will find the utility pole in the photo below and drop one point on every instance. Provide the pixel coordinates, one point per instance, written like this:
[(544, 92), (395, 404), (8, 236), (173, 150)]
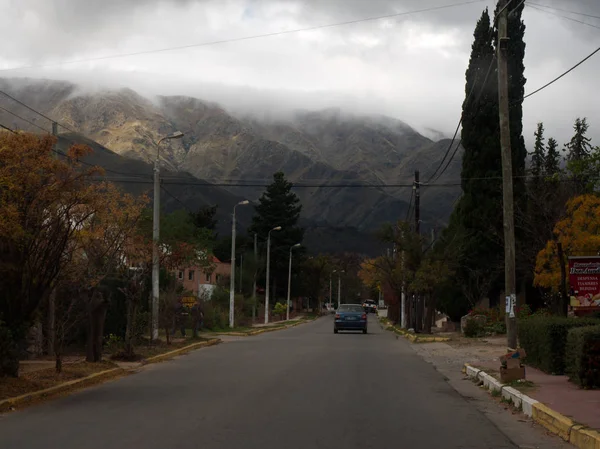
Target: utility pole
[(156, 236), (403, 294), (417, 203), (416, 299), (510, 284), (155, 243), (255, 274)]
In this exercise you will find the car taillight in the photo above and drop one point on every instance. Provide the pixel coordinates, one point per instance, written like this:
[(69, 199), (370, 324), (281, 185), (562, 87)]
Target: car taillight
[(364, 316), (337, 315)]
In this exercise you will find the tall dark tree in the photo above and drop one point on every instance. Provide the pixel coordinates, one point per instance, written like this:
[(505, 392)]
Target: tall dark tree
[(478, 215), (538, 156), (278, 206), (579, 150), (205, 217), (579, 147), (552, 160)]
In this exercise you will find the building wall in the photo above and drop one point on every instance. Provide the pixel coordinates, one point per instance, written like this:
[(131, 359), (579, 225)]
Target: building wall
[(197, 280)]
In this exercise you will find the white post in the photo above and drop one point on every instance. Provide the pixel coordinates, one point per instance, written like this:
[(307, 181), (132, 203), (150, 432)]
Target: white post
[(277, 228), (267, 280), (287, 313), (155, 243), (339, 290), (330, 291), (232, 276)]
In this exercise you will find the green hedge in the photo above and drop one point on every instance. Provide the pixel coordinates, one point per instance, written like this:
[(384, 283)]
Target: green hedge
[(545, 338), (583, 356)]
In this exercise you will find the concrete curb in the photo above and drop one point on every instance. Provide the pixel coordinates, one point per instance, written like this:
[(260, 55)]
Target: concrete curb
[(25, 398), (579, 436), (262, 331), (413, 338), (176, 352)]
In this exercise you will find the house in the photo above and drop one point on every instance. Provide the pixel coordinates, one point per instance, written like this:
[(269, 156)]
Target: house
[(202, 281)]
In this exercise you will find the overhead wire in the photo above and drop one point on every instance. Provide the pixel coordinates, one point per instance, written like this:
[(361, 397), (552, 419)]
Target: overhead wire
[(563, 16), (24, 119), (251, 37), (563, 10)]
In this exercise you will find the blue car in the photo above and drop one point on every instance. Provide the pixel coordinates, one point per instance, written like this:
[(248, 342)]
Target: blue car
[(350, 317)]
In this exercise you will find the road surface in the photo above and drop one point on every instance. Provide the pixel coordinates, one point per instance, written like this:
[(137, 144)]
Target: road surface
[(300, 388)]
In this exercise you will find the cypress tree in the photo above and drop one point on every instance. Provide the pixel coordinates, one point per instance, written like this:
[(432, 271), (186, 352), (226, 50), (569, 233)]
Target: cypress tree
[(478, 215)]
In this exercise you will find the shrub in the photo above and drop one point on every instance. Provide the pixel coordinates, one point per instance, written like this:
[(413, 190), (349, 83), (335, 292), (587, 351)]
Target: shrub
[(545, 338), (9, 353), (583, 356), (474, 329), (492, 315), (279, 309)]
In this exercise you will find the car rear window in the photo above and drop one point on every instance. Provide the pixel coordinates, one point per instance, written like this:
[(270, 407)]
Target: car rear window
[(350, 308)]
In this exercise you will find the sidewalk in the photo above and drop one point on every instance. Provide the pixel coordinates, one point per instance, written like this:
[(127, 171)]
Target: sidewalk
[(582, 406)]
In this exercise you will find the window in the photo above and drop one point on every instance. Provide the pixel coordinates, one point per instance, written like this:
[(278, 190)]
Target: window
[(208, 277), (191, 275), (180, 275), (218, 278)]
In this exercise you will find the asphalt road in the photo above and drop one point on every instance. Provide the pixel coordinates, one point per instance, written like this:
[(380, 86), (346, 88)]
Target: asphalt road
[(300, 388)]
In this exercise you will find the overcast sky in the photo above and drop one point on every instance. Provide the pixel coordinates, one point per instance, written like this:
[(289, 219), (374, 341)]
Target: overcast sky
[(410, 67)]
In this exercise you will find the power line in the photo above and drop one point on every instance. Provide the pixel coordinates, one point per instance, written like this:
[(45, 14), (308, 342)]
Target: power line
[(7, 128), (24, 119), (477, 100), (175, 198), (564, 10), (252, 37), (563, 74), (32, 110), (564, 17), (324, 186)]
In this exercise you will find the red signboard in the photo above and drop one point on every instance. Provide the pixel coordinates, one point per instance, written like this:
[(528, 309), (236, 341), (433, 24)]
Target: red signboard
[(584, 280)]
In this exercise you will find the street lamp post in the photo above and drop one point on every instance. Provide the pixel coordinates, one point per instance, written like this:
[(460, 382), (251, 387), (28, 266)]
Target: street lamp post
[(287, 313), (340, 287), (232, 276), (277, 228), (156, 235), (330, 289)]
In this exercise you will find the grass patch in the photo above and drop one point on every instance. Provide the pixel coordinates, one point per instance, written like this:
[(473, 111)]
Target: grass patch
[(150, 350), (523, 386), (47, 378), (496, 393)]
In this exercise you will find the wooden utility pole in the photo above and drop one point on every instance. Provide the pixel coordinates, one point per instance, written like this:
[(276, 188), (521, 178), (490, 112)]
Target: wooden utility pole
[(510, 284), (564, 298)]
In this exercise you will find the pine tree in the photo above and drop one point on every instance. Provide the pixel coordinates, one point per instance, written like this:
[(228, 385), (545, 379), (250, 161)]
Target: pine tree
[(552, 160), (579, 150), (538, 155), (279, 206), (579, 147)]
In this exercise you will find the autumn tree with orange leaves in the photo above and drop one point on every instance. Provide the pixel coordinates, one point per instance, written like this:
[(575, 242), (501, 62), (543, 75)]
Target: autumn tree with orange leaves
[(57, 226), (579, 234)]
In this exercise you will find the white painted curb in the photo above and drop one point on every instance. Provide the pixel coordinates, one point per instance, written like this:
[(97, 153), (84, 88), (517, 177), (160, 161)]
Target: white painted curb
[(491, 383), (528, 404)]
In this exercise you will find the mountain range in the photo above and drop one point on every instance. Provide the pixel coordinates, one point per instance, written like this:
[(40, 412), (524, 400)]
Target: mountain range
[(351, 172)]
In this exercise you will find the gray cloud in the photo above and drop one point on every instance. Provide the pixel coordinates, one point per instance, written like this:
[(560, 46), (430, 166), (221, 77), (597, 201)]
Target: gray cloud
[(410, 67)]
